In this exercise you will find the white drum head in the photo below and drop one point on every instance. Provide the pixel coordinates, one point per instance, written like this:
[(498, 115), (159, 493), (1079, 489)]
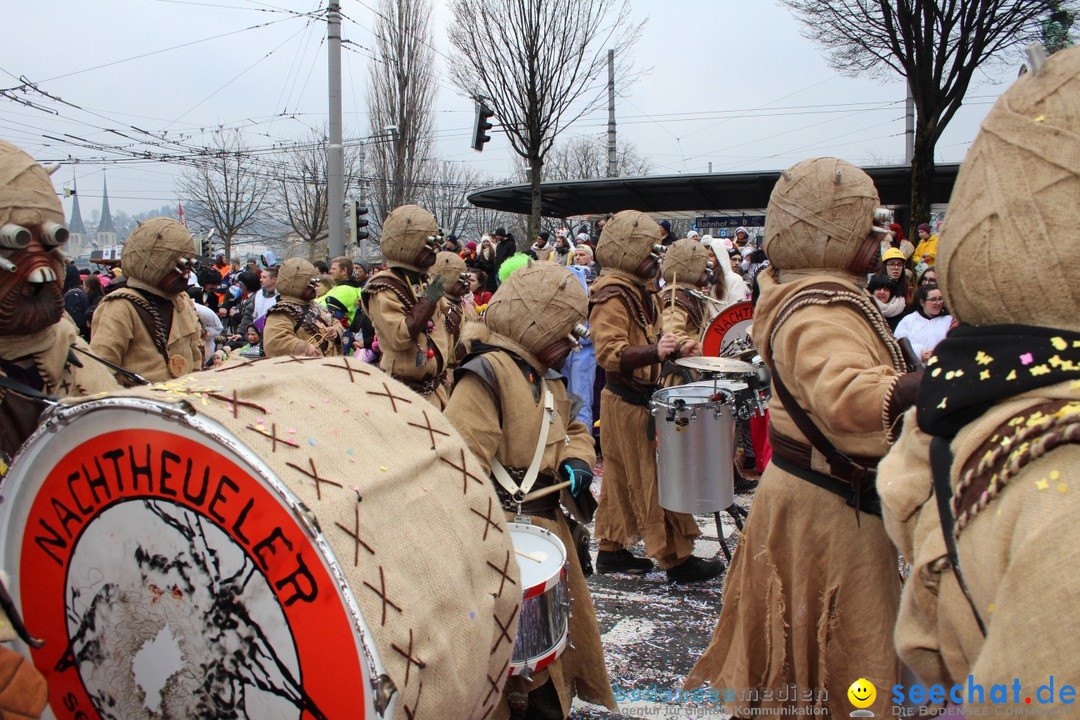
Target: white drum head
[(172, 575), (541, 556)]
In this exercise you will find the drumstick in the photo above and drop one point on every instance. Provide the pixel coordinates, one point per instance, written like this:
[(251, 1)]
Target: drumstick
[(545, 491), (674, 282), (534, 558)]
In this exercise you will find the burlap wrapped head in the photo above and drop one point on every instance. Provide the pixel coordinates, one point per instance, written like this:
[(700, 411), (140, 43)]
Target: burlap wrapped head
[(537, 305), (404, 233), (27, 196), (626, 241), (152, 249), (1018, 189), (295, 276), (820, 213), (448, 266), (685, 261)]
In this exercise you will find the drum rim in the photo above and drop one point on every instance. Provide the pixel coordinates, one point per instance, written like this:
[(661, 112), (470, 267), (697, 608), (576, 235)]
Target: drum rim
[(545, 584), (383, 692)]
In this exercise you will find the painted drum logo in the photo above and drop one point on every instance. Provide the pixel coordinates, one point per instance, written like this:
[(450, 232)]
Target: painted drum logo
[(167, 581), (729, 327)]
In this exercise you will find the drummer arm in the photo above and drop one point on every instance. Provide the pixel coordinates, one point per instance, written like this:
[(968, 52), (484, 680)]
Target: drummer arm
[(473, 412), (112, 329), (836, 368), (608, 327), (391, 322), (674, 321)]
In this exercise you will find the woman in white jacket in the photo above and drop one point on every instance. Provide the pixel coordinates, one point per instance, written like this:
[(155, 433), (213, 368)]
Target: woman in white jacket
[(927, 326)]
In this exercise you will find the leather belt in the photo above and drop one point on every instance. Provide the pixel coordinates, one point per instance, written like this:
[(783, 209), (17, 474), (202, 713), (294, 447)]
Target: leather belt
[(424, 386), (793, 457), (544, 506), (639, 397)]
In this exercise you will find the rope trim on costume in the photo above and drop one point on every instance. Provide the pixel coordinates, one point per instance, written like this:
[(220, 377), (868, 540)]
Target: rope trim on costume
[(890, 427), (382, 282), (1046, 427), (158, 331), (634, 305), (693, 306)]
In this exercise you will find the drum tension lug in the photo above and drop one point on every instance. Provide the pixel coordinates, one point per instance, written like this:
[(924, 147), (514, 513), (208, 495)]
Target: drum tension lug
[(384, 692), (308, 520)]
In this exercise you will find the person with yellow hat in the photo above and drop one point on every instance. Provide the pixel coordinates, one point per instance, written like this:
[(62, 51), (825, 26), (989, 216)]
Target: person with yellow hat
[(894, 267)]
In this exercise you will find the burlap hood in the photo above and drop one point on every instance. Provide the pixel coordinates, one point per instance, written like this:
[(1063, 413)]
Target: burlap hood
[(294, 277), (27, 196), (404, 234), (153, 248), (449, 267), (537, 305), (685, 261), (1018, 188), (820, 213), (627, 239)]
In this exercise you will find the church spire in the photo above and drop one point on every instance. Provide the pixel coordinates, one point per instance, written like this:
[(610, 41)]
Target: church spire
[(76, 226), (106, 224)]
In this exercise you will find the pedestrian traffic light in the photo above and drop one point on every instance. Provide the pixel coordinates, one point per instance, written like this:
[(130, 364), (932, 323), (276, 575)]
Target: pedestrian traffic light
[(359, 222), (480, 136)]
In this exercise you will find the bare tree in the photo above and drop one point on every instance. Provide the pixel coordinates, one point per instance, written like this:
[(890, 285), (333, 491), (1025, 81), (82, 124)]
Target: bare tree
[(538, 64), (300, 191), (226, 190), (401, 95), (444, 195), (936, 44), (584, 157)]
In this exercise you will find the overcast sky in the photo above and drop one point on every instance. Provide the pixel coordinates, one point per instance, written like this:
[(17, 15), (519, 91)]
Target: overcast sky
[(730, 82)]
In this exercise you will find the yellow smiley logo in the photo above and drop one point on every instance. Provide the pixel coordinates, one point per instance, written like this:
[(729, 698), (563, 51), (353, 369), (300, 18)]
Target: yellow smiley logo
[(862, 693)]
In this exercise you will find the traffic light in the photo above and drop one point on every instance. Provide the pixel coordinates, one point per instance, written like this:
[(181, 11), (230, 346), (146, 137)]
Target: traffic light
[(207, 248), (358, 222), (480, 136)]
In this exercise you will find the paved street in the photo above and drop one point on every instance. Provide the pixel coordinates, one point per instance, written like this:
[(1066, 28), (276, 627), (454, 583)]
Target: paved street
[(654, 631)]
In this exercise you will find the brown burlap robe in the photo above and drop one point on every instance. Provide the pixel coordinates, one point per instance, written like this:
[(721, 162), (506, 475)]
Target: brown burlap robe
[(424, 502), (279, 337), (812, 593), (1014, 554), (399, 350), (473, 410), (119, 336), (676, 319), (629, 508)]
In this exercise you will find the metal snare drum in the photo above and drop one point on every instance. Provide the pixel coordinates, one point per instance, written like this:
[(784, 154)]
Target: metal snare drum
[(695, 426), (544, 628)]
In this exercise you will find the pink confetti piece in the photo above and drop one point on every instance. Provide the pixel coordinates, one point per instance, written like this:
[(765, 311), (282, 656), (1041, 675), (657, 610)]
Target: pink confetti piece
[(1027, 358), (292, 431)]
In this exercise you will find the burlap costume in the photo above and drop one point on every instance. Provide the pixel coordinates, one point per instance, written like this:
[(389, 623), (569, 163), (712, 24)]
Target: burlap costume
[(35, 355), (813, 590), (686, 318), (1015, 450), (497, 407), (450, 266), (121, 336), (624, 314), (419, 360), (293, 324), (402, 504)]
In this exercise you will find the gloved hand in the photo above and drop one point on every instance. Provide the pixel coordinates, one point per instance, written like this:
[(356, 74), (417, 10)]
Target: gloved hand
[(578, 473), (436, 289)]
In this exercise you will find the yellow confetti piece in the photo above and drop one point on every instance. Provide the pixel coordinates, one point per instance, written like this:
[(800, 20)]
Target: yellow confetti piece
[(984, 375), (950, 375), (1040, 118), (382, 468), (932, 361), (1062, 488), (991, 608), (941, 405), (936, 372), (1042, 484), (1059, 343), (1055, 475), (983, 359), (998, 513), (1011, 375), (1040, 370)]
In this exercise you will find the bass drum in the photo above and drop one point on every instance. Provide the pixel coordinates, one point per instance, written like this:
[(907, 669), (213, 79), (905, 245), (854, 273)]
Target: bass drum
[(283, 538), (728, 335)]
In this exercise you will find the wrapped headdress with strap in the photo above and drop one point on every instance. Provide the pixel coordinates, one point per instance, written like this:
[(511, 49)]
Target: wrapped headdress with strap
[(295, 277), (1020, 179), (449, 266), (820, 214), (405, 232), (27, 196), (626, 242), (685, 261), (153, 249), (537, 305)]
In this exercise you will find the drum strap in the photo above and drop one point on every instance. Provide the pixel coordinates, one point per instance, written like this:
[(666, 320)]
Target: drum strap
[(518, 492)]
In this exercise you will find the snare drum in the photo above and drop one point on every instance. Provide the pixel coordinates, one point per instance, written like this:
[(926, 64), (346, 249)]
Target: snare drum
[(260, 541), (694, 445), (545, 609)]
